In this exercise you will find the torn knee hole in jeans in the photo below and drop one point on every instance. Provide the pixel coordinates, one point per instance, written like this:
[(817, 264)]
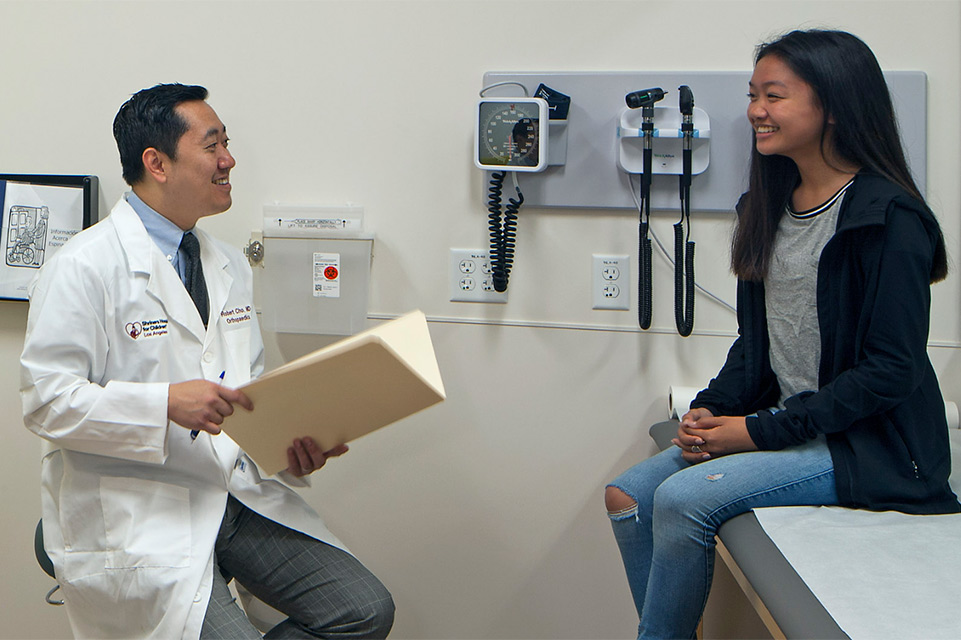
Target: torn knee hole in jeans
[(714, 477), (623, 514), (620, 504)]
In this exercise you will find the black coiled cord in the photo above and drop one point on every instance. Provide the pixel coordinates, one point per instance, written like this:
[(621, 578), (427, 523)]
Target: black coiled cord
[(684, 261), (645, 272), (644, 288), (503, 229), (683, 281)]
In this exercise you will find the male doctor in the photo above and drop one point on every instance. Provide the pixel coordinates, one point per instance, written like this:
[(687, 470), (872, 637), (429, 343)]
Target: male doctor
[(148, 510)]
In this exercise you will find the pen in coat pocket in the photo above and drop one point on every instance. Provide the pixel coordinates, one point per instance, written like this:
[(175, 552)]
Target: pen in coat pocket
[(196, 432)]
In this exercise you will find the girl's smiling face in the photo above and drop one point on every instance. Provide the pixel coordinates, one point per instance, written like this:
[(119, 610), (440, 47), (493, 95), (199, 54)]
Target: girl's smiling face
[(784, 112)]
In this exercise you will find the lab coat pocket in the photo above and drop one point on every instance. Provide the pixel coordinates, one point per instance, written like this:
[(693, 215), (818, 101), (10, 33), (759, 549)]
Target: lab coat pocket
[(238, 345), (126, 604), (147, 523)]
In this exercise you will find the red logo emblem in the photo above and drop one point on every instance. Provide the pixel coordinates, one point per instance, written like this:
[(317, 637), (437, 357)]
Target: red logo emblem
[(134, 329), (331, 273)]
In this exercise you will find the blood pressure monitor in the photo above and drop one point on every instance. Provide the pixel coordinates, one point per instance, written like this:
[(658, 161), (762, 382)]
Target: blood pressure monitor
[(511, 134)]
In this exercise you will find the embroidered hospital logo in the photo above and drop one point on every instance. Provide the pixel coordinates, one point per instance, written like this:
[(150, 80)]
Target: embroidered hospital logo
[(146, 328)]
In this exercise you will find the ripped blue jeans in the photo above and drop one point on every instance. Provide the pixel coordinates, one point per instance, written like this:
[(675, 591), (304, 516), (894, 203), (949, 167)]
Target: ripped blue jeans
[(667, 540)]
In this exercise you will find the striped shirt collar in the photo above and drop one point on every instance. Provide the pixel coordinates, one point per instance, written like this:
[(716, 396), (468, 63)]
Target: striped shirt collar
[(821, 208)]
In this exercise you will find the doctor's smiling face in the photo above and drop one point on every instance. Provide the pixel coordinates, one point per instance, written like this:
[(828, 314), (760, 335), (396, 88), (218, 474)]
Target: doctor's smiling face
[(173, 151), (196, 182)]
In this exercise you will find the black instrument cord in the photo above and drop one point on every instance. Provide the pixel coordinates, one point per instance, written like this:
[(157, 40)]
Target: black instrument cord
[(668, 255), (684, 267), (644, 285), (644, 260), (502, 224), (683, 247)]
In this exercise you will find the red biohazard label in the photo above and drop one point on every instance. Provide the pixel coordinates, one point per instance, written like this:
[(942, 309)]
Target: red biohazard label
[(331, 273)]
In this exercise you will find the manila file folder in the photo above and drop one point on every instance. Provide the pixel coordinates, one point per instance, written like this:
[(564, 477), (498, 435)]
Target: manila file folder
[(340, 392)]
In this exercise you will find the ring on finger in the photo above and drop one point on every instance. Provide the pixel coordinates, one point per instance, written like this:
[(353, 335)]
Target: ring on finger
[(695, 449)]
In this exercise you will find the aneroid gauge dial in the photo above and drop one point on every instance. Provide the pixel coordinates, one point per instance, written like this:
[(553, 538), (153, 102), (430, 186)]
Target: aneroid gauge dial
[(511, 134)]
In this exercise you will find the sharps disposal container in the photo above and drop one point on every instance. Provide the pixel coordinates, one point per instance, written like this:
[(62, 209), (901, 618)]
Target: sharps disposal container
[(316, 276)]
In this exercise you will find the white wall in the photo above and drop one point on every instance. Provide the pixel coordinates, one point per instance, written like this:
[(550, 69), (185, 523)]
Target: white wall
[(483, 515)]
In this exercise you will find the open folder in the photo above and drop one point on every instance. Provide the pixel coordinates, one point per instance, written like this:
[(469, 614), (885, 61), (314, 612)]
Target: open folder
[(340, 392)]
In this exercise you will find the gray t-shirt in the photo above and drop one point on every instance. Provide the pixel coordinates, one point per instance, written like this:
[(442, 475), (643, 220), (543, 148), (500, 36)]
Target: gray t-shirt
[(790, 293)]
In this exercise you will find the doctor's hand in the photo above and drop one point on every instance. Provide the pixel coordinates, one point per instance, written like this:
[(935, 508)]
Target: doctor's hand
[(201, 405), (709, 436), (304, 456)]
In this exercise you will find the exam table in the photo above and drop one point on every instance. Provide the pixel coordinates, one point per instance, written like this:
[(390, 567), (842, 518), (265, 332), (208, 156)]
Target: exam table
[(831, 572)]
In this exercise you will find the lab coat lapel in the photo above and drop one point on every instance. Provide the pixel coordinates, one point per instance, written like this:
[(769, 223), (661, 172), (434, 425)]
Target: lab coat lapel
[(219, 283), (218, 279), (163, 283)]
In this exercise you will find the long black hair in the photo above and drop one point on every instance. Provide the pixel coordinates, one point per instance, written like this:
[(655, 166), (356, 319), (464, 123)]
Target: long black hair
[(850, 87)]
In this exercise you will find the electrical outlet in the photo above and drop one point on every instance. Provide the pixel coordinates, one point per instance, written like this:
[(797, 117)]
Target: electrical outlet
[(610, 282), (470, 277)]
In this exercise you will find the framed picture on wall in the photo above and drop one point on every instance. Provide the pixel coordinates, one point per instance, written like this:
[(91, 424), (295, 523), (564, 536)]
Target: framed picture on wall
[(38, 214)]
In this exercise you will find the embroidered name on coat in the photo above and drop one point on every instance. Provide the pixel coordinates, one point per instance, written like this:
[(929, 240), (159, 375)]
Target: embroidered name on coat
[(235, 315)]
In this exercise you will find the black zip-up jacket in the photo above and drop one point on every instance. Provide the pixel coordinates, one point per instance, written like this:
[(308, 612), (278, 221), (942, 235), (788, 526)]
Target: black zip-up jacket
[(878, 402)]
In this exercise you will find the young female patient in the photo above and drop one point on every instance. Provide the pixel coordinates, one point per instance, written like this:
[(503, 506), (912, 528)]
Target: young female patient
[(827, 397)]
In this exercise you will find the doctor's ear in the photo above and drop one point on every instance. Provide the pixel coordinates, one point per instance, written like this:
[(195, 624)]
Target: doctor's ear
[(155, 164)]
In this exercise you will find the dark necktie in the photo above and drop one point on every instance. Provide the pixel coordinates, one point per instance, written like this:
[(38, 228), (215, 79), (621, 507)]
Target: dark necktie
[(194, 274)]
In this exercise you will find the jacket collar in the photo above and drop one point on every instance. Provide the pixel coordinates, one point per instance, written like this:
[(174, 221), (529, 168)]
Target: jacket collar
[(867, 200)]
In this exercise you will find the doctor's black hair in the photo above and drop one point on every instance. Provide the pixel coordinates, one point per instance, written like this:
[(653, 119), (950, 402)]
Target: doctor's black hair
[(848, 82), (149, 119)]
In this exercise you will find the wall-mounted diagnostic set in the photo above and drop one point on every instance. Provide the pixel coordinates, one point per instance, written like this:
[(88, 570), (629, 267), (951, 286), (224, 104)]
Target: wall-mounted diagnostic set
[(622, 147), (647, 133)]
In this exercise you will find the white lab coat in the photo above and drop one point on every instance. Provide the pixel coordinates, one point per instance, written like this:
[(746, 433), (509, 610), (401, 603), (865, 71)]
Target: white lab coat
[(132, 507)]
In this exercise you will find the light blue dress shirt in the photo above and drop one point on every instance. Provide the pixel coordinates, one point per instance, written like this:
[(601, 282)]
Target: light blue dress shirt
[(165, 234)]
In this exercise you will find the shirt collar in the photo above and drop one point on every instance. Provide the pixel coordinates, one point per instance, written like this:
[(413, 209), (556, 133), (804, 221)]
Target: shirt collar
[(165, 234)]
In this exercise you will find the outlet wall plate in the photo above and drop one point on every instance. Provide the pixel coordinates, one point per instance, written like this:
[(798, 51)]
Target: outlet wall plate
[(610, 282), (469, 275)]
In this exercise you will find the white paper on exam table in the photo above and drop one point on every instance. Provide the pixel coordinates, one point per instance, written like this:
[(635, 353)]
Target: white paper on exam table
[(879, 574)]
